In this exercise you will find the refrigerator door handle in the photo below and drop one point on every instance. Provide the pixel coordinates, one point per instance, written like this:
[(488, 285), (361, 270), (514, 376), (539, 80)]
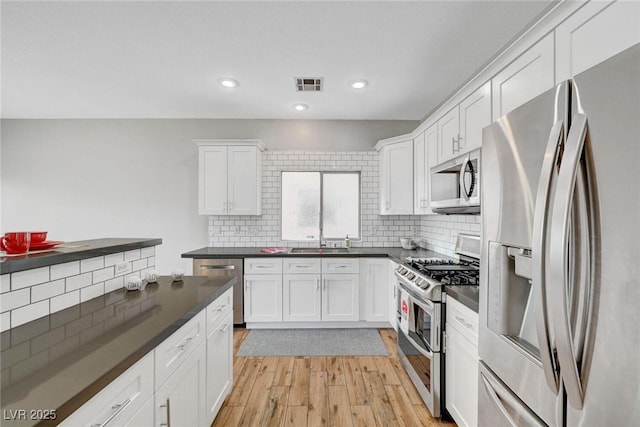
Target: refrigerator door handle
[(539, 252), (559, 253), (501, 397)]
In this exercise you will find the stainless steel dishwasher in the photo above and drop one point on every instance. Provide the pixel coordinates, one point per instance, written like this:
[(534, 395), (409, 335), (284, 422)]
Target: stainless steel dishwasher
[(225, 268)]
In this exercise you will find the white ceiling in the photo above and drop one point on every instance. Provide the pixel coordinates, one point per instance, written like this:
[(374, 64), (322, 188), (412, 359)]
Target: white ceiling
[(158, 59)]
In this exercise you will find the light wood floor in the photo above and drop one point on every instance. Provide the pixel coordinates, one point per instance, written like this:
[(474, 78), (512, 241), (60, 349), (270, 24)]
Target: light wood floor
[(323, 391)]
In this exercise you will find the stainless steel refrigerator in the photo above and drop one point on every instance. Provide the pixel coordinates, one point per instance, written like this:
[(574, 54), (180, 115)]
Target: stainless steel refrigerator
[(560, 268)]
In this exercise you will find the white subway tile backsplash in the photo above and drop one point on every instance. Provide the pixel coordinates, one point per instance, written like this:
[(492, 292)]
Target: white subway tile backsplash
[(15, 299), (91, 292), (103, 274), (113, 284), (77, 282), (148, 252), (91, 264), (64, 301), (5, 321), (113, 259), (47, 290), (5, 283), (132, 255), (67, 269), (28, 313), (23, 279), (139, 264)]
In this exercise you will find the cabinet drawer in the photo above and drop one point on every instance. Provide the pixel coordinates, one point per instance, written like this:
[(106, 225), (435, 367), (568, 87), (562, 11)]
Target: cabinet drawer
[(263, 266), (463, 319), (175, 349), (120, 400), (217, 310), (301, 265), (340, 265)]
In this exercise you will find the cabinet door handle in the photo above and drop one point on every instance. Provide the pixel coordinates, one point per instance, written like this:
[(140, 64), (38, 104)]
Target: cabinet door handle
[(324, 284), (168, 408), (119, 407), (459, 147), (246, 285), (224, 206), (217, 267), (466, 324), (222, 307), (318, 284), (453, 144), (224, 329), (230, 205)]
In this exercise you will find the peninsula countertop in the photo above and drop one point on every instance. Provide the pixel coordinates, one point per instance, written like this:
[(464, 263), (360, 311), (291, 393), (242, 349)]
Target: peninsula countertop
[(72, 251), (60, 361)]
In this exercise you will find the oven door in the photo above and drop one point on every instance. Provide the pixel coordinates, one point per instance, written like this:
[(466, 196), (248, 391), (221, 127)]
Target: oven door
[(423, 367)]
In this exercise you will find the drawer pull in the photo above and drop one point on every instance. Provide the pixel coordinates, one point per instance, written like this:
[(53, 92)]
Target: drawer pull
[(302, 266), (224, 329), (264, 266), (466, 324), (118, 408), (222, 307), (186, 342), (341, 266), (217, 267), (168, 408)]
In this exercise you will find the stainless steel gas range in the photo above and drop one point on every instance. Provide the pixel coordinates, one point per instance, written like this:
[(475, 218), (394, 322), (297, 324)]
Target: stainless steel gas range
[(419, 285)]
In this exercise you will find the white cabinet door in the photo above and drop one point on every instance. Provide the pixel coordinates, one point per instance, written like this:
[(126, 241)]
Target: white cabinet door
[(425, 157), (340, 297), (219, 366), (301, 298), (475, 114), (462, 378), (243, 174), (212, 180), (393, 296), (594, 33), (420, 171), (263, 298), (374, 284), (181, 401), (531, 74), (396, 179), (448, 133)]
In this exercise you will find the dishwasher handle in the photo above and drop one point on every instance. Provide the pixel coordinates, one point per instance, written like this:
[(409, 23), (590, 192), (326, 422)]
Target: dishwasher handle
[(217, 267)]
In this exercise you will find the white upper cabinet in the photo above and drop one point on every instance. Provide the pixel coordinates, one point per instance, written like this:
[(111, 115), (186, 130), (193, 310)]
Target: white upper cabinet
[(596, 32), (448, 134), (460, 130), (229, 177), (425, 152), (396, 177), (531, 74), (475, 114)]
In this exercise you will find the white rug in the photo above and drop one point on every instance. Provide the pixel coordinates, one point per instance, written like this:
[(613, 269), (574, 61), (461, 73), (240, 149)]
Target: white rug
[(313, 342)]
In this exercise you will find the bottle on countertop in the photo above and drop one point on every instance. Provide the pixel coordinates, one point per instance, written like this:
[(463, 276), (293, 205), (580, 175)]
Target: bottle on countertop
[(347, 242)]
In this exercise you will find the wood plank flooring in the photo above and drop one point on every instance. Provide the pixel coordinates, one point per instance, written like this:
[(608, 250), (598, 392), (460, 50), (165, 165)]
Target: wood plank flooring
[(323, 391)]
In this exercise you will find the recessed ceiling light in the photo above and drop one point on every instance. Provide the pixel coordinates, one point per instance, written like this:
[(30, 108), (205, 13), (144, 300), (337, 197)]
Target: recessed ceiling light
[(359, 84), (300, 107), (228, 82)]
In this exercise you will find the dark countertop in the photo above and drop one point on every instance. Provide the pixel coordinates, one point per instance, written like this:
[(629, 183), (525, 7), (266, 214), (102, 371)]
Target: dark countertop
[(467, 295), (72, 251), (62, 360), (398, 254)]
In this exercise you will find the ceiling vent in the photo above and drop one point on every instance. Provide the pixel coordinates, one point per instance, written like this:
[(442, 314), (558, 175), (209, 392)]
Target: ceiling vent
[(308, 84)]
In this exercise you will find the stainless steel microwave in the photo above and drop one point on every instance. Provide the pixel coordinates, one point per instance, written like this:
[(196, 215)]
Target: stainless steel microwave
[(455, 185)]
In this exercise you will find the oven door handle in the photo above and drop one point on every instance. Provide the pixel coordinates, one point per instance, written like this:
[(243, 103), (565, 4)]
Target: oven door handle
[(428, 353)]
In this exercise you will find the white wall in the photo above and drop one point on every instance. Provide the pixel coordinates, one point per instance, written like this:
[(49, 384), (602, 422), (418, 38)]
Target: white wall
[(85, 179)]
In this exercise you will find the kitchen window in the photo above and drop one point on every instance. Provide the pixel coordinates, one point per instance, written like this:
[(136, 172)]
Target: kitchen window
[(320, 205)]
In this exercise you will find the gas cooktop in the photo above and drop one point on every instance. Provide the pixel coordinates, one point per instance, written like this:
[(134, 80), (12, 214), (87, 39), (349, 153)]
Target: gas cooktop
[(446, 272)]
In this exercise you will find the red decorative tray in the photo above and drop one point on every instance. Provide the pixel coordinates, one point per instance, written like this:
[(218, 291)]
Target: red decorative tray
[(47, 244)]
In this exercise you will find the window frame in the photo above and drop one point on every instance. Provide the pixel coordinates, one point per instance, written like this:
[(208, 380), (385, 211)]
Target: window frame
[(321, 206)]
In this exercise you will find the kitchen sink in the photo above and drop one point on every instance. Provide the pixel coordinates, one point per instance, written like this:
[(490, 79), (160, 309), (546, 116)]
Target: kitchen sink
[(319, 250)]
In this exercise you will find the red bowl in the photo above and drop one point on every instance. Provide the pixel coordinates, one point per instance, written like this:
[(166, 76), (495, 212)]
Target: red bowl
[(38, 236)]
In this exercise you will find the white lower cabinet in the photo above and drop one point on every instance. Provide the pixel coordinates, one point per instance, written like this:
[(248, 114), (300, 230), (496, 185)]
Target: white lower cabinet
[(180, 401), (219, 366), (340, 297), (374, 288), (263, 298), (182, 382), (461, 377), (301, 298)]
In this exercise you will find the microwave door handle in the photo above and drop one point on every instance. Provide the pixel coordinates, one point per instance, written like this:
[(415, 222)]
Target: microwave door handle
[(463, 188), (558, 255), (538, 255)]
